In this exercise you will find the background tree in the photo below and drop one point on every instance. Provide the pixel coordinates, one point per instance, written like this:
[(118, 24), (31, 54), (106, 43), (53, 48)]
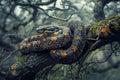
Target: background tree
[(20, 18)]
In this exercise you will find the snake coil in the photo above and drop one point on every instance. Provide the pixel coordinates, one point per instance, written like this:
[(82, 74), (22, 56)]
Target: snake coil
[(64, 42)]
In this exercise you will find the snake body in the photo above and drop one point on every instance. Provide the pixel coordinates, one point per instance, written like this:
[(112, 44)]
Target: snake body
[(73, 52), (49, 37), (65, 43), (57, 38)]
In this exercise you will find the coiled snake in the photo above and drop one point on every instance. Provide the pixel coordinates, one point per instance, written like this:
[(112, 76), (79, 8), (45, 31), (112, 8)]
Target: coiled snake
[(49, 37), (66, 43)]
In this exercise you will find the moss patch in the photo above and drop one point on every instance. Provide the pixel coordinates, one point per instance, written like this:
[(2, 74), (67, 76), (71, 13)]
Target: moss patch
[(93, 29)]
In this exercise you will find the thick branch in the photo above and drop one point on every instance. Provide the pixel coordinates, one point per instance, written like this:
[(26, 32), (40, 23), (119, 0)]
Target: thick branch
[(99, 9)]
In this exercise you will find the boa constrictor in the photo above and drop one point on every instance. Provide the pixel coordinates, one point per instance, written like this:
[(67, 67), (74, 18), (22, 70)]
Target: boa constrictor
[(65, 43)]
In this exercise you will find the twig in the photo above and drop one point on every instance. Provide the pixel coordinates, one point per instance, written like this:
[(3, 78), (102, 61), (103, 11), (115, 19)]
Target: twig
[(94, 46), (35, 6), (11, 53), (56, 17), (38, 4), (5, 19)]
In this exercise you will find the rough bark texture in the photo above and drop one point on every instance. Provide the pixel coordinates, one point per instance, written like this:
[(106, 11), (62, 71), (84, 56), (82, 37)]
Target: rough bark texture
[(99, 9)]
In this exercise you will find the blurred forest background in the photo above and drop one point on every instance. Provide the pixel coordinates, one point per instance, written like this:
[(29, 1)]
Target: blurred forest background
[(19, 18)]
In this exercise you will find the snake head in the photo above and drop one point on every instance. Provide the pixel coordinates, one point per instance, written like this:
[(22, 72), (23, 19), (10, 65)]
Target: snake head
[(47, 28)]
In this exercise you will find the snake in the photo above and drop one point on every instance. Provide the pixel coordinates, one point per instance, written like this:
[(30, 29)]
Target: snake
[(66, 43), (48, 37), (74, 51), (63, 41)]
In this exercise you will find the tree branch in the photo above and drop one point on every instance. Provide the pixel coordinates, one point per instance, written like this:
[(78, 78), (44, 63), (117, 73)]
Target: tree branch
[(37, 4)]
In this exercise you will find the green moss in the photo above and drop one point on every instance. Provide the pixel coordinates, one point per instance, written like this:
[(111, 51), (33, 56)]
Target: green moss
[(93, 29)]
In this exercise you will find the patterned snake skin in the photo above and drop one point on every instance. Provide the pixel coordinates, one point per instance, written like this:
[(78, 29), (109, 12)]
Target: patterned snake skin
[(49, 37), (67, 43), (63, 42), (73, 52)]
